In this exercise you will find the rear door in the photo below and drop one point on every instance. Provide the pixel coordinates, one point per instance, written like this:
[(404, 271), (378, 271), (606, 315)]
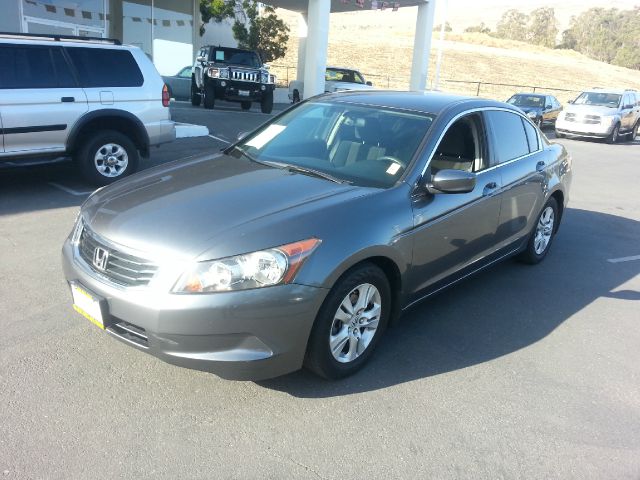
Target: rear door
[(40, 99), (522, 163), (628, 112)]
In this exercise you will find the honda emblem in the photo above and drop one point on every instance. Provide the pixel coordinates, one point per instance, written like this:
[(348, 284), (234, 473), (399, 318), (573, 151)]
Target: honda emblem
[(100, 258)]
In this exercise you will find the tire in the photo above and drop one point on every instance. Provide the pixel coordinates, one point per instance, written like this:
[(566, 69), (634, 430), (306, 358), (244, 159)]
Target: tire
[(560, 135), (209, 96), (245, 105), (614, 136), (363, 328), (635, 131), (107, 156), (296, 96), (266, 104), (196, 97), (543, 234)]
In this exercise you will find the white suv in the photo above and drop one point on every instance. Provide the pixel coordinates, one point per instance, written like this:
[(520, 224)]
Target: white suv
[(94, 100), (600, 113)]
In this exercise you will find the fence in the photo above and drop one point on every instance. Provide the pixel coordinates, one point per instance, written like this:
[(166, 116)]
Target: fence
[(498, 91)]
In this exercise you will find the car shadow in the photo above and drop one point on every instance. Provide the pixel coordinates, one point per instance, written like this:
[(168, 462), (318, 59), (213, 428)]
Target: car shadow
[(502, 310)]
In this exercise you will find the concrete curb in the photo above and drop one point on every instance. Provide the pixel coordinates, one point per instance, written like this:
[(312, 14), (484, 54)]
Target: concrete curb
[(188, 130)]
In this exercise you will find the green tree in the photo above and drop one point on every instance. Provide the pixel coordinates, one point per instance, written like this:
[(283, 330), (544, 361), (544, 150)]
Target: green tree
[(513, 25), (447, 27), (482, 28), (254, 28), (543, 27)]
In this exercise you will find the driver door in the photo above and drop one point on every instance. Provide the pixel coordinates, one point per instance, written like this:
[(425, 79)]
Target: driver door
[(454, 230)]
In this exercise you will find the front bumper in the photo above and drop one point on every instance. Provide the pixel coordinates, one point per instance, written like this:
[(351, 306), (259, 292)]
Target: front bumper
[(576, 129), (245, 335), (236, 91)]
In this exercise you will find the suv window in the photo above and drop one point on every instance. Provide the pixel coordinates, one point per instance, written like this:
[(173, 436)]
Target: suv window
[(33, 67), (101, 67), (509, 134)]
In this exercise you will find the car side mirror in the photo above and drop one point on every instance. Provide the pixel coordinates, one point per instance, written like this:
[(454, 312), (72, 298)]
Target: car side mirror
[(370, 84), (200, 59), (266, 66), (452, 181), (626, 107)]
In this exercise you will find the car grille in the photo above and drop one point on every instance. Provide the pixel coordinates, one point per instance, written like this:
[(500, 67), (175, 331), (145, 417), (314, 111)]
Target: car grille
[(129, 332), (587, 119), (570, 117), (592, 119), (245, 75), (120, 268)]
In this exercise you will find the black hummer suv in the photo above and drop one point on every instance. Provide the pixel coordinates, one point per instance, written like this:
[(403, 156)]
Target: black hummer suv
[(231, 74)]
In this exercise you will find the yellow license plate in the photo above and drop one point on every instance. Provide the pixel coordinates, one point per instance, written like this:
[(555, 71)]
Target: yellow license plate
[(86, 305)]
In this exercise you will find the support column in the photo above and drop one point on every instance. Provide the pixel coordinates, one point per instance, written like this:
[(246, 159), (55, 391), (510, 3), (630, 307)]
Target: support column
[(302, 46), (317, 43), (422, 45)]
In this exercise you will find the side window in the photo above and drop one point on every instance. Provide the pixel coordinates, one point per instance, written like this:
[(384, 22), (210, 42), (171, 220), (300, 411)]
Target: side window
[(510, 139), (547, 102), (185, 72), (63, 71), (462, 147), (532, 136), (104, 67), (27, 67)]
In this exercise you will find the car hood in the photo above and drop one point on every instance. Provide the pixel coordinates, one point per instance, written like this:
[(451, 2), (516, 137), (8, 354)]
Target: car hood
[(531, 109), (180, 209), (591, 110)]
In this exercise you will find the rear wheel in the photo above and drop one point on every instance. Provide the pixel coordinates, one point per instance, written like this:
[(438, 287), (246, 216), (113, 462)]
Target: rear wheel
[(209, 96), (296, 96), (107, 156), (350, 323), (266, 104), (615, 134), (196, 97), (560, 135), (245, 105), (543, 233)]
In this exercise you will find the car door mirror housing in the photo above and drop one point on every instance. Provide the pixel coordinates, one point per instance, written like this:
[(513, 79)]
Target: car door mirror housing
[(452, 181), (370, 84), (200, 59)]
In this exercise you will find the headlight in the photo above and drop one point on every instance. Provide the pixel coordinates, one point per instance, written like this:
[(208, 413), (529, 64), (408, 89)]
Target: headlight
[(214, 72), (607, 121), (263, 268), (532, 114), (265, 77)]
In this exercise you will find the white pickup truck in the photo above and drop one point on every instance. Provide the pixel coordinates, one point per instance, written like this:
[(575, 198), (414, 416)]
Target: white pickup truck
[(336, 79)]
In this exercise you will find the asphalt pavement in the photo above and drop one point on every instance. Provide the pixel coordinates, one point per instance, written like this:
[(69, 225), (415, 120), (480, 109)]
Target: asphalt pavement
[(519, 372)]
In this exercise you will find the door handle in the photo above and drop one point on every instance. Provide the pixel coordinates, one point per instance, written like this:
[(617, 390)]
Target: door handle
[(67, 99), (540, 166)]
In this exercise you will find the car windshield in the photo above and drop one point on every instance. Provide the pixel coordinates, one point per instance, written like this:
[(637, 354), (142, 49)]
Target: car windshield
[(599, 99), (343, 75), (362, 145), (235, 57), (527, 101)]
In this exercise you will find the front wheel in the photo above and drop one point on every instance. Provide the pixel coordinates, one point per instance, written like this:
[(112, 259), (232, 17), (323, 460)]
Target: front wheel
[(266, 104), (209, 96), (615, 133), (560, 135), (107, 156), (635, 131), (350, 323), (196, 97), (543, 233)]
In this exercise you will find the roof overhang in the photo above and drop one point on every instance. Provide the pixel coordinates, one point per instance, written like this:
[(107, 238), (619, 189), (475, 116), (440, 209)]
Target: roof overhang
[(339, 5)]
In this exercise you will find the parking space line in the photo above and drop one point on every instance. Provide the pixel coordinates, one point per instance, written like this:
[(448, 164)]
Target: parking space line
[(70, 191), (219, 139), (624, 259)]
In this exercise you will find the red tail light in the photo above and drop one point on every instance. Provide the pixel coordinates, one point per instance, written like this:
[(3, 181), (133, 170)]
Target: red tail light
[(165, 96)]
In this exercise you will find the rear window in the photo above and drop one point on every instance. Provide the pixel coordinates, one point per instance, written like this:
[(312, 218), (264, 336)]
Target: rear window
[(104, 68), (33, 67), (510, 137)]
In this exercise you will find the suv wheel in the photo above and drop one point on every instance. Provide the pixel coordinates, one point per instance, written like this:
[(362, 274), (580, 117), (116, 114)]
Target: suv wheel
[(266, 104), (209, 96), (196, 97), (245, 105), (107, 156), (350, 323), (613, 137)]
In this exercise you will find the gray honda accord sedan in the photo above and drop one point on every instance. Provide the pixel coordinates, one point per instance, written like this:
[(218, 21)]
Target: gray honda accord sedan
[(300, 244)]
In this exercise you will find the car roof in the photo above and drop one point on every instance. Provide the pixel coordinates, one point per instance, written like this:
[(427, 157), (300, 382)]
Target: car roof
[(425, 102), (532, 94), (615, 91), (63, 43)]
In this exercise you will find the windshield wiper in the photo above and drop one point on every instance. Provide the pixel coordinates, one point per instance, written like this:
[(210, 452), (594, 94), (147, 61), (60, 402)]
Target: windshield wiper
[(308, 171), (250, 157)]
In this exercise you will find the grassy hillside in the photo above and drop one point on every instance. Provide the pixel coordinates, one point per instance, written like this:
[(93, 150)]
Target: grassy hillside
[(380, 44)]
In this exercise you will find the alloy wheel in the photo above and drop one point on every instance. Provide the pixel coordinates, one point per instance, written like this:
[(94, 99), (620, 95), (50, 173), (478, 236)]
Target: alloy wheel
[(544, 230), (111, 160)]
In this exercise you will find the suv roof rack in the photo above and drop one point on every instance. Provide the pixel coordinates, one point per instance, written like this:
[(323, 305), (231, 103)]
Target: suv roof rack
[(60, 38)]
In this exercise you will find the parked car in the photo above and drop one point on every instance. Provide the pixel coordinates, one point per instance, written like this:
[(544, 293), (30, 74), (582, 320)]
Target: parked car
[(541, 109), (303, 241), (179, 84), (94, 100), (601, 113), (337, 79), (231, 74)]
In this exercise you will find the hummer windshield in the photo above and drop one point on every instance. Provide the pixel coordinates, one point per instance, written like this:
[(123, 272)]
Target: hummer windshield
[(232, 56)]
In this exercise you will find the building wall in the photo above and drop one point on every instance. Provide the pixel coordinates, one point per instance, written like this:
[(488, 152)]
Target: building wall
[(10, 18), (217, 34)]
